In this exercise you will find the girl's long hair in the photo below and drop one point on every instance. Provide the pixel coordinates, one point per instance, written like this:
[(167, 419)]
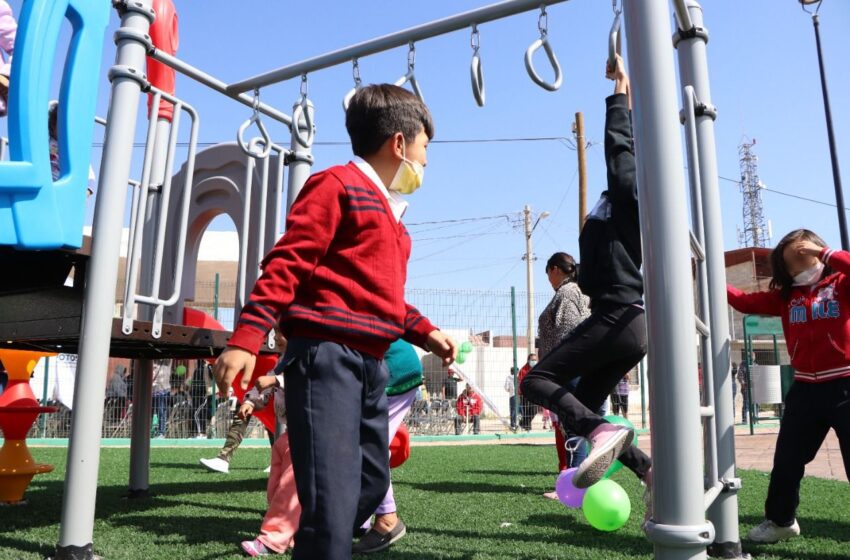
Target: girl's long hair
[(782, 280)]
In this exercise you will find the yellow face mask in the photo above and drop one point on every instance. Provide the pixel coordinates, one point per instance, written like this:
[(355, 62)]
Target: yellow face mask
[(409, 176)]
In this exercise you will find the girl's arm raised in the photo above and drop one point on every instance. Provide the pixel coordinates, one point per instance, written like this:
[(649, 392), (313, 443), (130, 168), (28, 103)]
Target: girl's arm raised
[(757, 303)]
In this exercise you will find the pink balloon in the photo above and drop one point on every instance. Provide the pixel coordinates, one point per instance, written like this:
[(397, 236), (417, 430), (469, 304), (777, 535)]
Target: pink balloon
[(567, 493)]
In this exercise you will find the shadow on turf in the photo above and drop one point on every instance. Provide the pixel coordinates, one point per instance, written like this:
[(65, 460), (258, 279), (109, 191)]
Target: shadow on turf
[(45, 505), (503, 472), (575, 535), (450, 487)]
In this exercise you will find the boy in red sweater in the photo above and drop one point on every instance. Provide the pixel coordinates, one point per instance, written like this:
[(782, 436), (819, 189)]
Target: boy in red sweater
[(334, 286)]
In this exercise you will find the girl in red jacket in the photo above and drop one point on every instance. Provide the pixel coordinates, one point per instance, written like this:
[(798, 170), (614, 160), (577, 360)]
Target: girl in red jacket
[(810, 291)]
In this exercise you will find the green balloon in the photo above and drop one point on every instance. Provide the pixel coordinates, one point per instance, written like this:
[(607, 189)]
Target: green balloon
[(606, 506), (620, 421), (461, 358), (615, 466), (466, 347)]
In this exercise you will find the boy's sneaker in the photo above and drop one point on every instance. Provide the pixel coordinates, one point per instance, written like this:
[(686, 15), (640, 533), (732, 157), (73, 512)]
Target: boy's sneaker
[(216, 465), (607, 443), (769, 532), (255, 548), (374, 541)]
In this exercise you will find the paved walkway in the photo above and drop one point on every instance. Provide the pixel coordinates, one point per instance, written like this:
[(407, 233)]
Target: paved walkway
[(752, 451)]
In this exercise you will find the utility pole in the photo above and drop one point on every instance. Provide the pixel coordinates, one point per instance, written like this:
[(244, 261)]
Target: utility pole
[(581, 143), (529, 274), (529, 279)]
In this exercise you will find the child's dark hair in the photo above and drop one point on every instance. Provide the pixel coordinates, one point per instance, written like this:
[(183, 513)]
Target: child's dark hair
[(565, 263), (781, 279), (376, 112)]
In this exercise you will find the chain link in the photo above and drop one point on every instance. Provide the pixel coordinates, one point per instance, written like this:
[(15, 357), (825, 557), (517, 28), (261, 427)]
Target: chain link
[(543, 22), (355, 72), (303, 85), (475, 39), (411, 56)]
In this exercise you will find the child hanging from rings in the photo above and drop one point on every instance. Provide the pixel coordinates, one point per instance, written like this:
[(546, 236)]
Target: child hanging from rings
[(810, 291)]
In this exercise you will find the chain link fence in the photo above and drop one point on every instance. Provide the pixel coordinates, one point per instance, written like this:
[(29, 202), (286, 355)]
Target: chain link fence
[(489, 325)]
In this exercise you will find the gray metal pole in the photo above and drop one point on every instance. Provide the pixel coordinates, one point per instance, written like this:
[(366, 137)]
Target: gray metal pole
[(678, 528), (78, 504), (398, 39), (140, 435), (693, 70), (140, 430), (214, 83), (301, 159)]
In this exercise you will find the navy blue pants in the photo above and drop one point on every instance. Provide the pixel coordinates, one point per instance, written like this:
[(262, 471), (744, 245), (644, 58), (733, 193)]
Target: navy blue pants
[(337, 424)]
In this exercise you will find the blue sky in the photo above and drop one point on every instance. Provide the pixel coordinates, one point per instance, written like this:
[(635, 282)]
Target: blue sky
[(764, 82)]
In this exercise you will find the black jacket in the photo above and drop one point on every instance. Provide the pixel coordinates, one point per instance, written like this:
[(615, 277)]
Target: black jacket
[(609, 243)]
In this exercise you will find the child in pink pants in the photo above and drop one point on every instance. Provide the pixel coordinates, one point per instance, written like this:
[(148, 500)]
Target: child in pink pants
[(281, 520)]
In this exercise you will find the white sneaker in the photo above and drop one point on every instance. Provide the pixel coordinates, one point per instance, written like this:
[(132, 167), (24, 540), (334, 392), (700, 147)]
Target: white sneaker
[(770, 532), (216, 465), (268, 470)]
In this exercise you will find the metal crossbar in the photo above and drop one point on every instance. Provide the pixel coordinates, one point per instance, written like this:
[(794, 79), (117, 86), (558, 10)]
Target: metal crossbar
[(398, 39)]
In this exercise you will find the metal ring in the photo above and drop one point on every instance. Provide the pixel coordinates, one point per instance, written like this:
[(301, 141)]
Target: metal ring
[(347, 99), (303, 108), (553, 60), (476, 75), (614, 42), (410, 78), (240, 138)]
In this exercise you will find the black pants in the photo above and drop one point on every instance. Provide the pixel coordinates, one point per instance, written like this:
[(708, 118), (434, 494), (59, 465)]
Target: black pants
[(337, 425), (528, 410), (620, 405), (512, 406), (601, 350), (811, 409)]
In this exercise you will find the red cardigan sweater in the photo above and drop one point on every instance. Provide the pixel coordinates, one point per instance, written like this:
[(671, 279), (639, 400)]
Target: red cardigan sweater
[(815, 320), (338, 273)]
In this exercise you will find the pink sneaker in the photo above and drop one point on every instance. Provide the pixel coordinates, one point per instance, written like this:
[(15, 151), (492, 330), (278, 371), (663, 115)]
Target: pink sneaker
[(608, 442), (255, 548)]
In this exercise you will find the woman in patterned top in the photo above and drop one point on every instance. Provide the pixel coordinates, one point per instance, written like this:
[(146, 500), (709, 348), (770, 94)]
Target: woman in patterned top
[(568, 308)]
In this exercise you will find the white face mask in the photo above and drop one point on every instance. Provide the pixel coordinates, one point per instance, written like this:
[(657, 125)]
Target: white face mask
[(532, 363), (810, 275), (409, 176)]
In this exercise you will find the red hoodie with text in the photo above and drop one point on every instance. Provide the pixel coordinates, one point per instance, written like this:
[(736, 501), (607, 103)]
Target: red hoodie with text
[(815, 320)]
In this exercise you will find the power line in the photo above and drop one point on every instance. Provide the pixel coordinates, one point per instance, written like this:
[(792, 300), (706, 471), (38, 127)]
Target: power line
[(783, 193), (458, 220), (562, 139)]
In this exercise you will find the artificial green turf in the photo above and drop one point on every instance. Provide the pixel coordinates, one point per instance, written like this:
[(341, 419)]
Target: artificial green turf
[(454, 500)]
